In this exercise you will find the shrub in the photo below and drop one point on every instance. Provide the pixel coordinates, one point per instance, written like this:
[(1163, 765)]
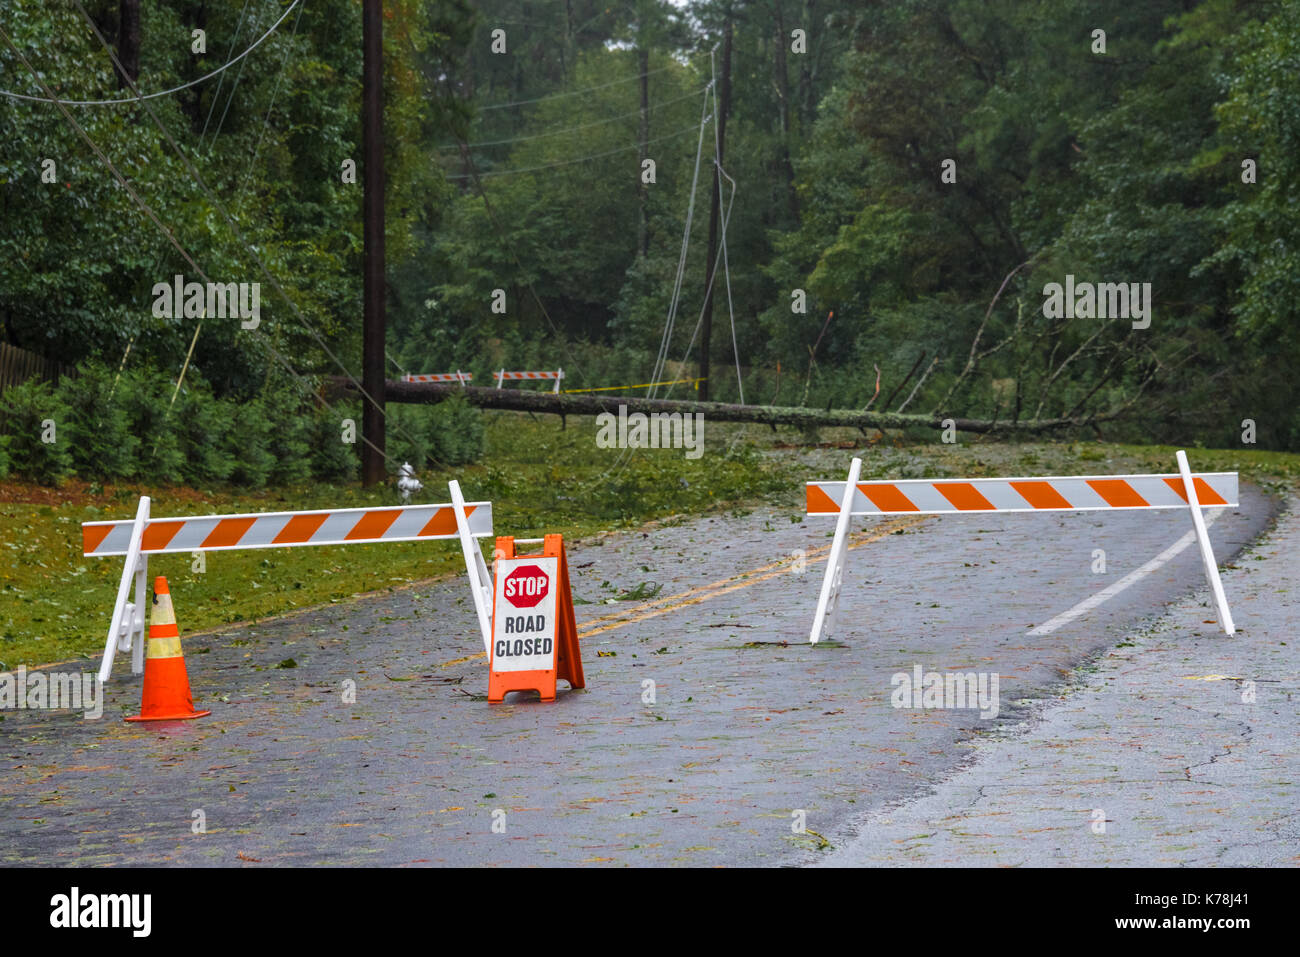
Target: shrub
[(289, 439), (332, 459), (25, 411), (448, 433), (248, 441), (409, 435), (101, 442), (202, 424), (145, 397), (458, 432)]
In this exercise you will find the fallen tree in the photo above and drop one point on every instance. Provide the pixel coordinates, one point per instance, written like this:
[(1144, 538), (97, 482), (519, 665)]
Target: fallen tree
[(522, 400)]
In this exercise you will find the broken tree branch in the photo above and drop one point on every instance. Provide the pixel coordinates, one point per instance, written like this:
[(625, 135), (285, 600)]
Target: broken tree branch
[(973, 358), (920, 382), (898, 388)]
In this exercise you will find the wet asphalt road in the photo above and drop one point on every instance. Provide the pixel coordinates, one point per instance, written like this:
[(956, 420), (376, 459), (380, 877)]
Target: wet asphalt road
[(1176, 748), (749, 724)]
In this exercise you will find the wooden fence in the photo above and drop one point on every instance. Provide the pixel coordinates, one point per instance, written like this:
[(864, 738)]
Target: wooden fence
[(19, 365)]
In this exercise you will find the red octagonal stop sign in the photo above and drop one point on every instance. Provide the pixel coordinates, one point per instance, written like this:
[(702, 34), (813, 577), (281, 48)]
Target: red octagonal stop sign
[(526, 586)]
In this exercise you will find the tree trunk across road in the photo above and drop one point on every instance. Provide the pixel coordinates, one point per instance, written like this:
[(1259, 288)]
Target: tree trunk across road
[(528, 401)]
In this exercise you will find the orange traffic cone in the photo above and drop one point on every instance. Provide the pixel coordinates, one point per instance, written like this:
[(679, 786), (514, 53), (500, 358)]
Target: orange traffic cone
[(166, 685)]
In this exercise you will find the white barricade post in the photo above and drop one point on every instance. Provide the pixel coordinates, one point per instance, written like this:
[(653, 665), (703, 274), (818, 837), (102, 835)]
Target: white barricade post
[(144, 536), (1193, 497), (480, 581), (1045, 494), (126, 627), (830, 595)]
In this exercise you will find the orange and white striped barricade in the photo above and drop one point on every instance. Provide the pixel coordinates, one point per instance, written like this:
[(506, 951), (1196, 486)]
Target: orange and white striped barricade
[(457, 376), (143, 536), (557, 375), (1047, 494)]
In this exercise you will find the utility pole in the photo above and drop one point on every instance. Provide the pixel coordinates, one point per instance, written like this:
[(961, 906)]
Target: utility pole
[(372, 214), (722, 100), (643, 140), (128, 42)]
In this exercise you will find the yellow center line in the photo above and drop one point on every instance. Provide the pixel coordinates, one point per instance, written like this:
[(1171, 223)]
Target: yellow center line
[(702, 593), (461, 661), (813, 555)]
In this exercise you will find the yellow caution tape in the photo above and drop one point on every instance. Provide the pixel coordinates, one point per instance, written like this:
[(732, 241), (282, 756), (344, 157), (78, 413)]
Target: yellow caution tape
[(639, 385)]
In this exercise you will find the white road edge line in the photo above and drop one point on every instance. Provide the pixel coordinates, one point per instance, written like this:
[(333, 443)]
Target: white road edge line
[(1110, 591)]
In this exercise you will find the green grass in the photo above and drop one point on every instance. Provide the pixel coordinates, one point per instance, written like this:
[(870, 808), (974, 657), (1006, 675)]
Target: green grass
[(55, 603)]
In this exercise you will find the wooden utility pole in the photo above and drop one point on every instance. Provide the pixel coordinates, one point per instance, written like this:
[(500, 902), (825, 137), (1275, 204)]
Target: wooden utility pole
[(723, 101), (372, 214), (783, 107), (128, 42), (643, 141)]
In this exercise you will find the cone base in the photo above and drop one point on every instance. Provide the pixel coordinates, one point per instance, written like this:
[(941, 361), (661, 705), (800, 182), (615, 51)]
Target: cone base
[(169, 717)]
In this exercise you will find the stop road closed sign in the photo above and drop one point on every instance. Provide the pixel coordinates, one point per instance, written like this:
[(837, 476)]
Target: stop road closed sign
[(523, 614)]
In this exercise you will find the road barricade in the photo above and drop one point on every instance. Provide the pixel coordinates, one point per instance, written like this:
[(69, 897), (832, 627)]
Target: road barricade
[(462, 377), (534, 631), (1047, 494), (506, 376), (143, 536)]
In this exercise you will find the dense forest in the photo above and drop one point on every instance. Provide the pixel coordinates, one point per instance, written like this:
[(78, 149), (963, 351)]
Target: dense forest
[(891, 187)]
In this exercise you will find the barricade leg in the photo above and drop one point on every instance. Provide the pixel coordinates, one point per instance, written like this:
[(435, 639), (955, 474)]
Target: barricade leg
[(828, 601), (480, 582), (126, 615), (1207, 552), (137, 639)]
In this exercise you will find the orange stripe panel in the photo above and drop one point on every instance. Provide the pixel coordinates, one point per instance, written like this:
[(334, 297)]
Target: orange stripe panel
[(93, 537), (965, 497), (164, 631), (299, 529), (372, 525), (227, 532), (444, 521), (158, 534), (1040, 494), (1117, 493), (888, 498), (819, 503), (1204, 494)]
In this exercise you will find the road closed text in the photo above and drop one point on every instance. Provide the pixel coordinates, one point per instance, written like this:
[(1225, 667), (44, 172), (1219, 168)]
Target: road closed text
[(524, 646), (523, 622)]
